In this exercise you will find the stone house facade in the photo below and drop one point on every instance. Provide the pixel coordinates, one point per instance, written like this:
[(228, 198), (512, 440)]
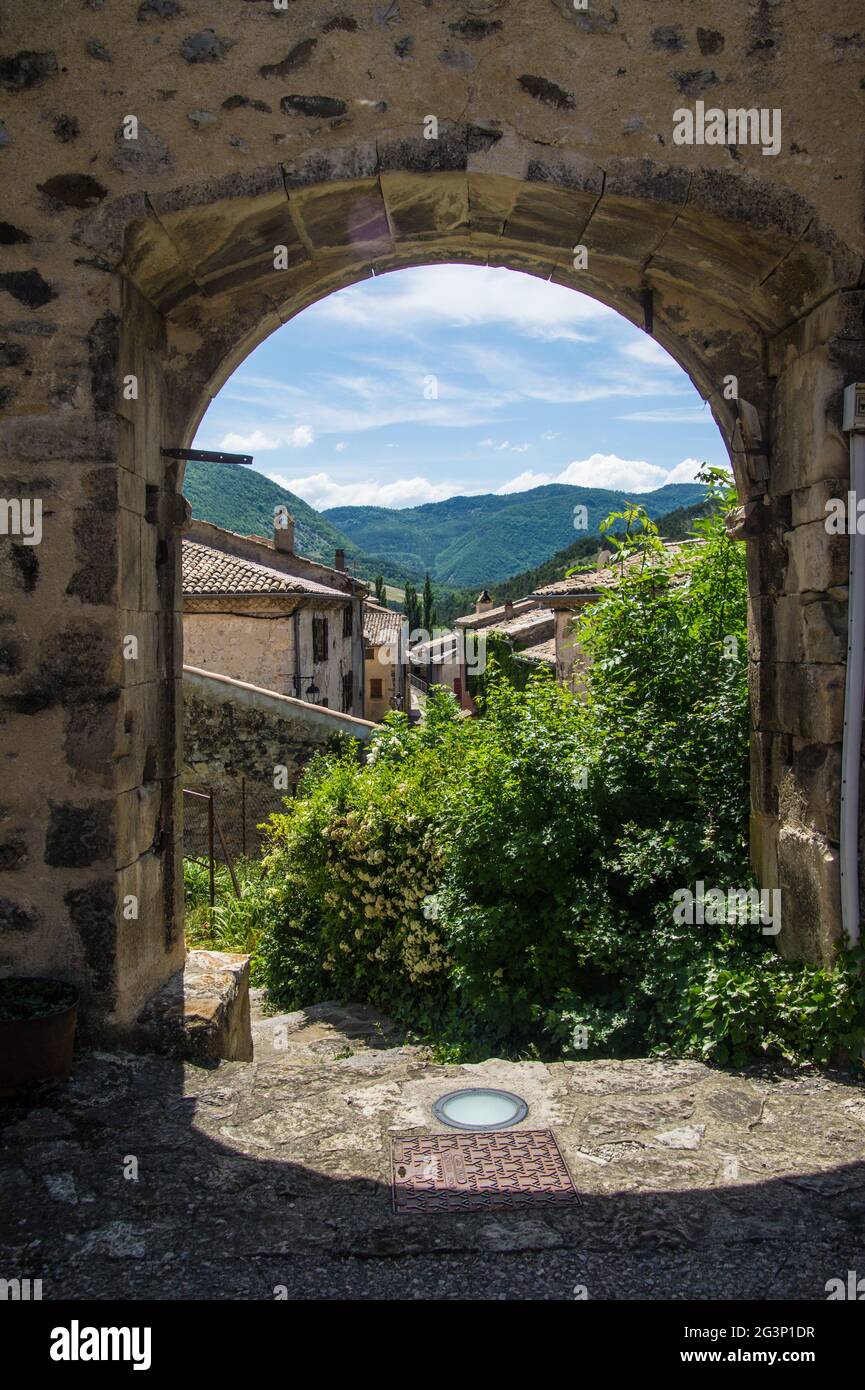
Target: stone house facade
[(385, 664), (269, 622), (567, 598)]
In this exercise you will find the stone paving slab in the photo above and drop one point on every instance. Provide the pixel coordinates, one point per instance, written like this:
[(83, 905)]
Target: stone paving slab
[(148, 1177)]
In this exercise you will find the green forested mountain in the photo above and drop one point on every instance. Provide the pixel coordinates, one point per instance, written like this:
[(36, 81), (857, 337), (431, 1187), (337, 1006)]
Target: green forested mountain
[(452, 603), (464, 542), (481, 540), (240, 499), (679, 524)]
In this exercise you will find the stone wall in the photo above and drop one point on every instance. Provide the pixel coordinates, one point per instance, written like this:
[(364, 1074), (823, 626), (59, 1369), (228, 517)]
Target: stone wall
[(233, 730), (155, 154)]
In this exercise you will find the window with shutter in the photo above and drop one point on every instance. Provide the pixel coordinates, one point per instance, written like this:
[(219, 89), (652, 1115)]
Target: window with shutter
[(319, 639), (347, 692)]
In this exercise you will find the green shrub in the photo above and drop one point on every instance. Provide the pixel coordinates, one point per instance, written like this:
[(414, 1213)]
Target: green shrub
[(507, 882), (236, 924), (798, 1011), (352, 863)]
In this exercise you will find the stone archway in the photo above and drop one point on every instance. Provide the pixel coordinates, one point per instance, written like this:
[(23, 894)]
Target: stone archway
[(174, 260)]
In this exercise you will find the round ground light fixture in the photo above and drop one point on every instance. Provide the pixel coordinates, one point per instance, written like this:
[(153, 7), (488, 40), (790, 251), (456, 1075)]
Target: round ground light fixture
[(479, 1109)]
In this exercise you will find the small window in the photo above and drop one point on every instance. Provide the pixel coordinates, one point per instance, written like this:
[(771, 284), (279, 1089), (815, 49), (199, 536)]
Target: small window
[(375, 690), (347, 692), (348, 620), (319, 639)]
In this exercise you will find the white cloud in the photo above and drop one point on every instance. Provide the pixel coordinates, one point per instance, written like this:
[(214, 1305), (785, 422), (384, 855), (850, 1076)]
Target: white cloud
[(258, 441), (505, 444), (558, 335), (343, 404), (671, 417), (524, 481), (608, 470), (463, 296), (320, 490), (649, 351), (248, 443), (686, 471), (340, 447)]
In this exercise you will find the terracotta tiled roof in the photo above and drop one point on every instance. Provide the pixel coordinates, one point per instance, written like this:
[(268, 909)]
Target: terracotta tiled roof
[(380, 624), (495, 616), (592, 581), (588, 583), (524, 624), (209, 571), (544, 652), (205, 533)]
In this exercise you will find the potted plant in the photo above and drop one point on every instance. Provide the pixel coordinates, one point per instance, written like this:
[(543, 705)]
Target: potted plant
[(37, 1031)]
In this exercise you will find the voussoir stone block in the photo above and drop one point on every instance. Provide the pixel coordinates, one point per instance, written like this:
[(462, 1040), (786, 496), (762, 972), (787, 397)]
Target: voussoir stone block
[(420, 205)]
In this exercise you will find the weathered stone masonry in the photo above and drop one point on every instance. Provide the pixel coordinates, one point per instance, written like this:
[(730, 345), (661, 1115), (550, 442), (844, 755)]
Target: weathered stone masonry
[(233, 730), (153, 258)]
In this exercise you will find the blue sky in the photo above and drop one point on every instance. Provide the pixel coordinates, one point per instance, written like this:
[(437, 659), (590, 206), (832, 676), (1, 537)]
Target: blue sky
[(443, 380)]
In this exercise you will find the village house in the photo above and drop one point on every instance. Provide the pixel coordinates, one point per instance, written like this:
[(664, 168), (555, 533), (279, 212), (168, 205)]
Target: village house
[(255, 611), (452, 657), (436, 662), (568, 597), (386, 675)]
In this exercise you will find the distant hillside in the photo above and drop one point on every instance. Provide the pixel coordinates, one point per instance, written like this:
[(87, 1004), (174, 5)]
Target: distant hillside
[(676, 525), (679, 525), (240, 499), (482, 540)]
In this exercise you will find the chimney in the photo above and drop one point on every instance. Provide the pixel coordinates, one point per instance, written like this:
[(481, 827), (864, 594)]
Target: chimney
[(483, 602), (509, 609), (283, 530), (339, 561)]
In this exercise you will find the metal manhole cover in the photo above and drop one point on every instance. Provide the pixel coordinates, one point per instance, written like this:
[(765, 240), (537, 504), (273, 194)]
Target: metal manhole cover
[(471, 1172)]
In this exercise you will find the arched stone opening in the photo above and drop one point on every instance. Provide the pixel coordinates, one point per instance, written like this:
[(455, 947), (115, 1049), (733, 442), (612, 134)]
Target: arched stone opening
[(728, 299), (741, 280)]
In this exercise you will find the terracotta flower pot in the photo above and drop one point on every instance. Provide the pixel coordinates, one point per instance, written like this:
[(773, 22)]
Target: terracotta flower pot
[(36, 1045)]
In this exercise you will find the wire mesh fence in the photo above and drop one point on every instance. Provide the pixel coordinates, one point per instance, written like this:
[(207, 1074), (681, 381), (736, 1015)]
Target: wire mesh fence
[(239, 807)]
